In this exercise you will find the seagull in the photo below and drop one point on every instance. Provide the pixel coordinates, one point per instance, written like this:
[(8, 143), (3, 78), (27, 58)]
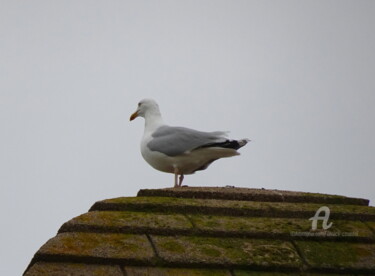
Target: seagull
[(179, 150)]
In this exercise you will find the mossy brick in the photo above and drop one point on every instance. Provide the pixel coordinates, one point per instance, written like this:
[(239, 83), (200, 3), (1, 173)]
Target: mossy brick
[(72, 269), (176, 205), (259, 273), (158, 271), (233, 208), (371, 224), (345, 212), (126, 221), (300, 197), (249, 225), (276, 227), (339, 256), (234, 193), (91, 246), (214, 193), (226, 252), (350, 230)]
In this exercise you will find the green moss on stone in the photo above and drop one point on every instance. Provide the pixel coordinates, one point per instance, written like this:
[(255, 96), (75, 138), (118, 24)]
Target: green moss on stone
[(339, 255), (170, 204), (158, 271), (371, 224), (121, 246), (211, 252), (173, 246), (258, 273), (48, 269), (227, 251), (128, 219), (268, 226), (277, 226)]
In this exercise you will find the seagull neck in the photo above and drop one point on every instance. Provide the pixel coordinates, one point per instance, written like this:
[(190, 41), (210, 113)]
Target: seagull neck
[(153, 121)]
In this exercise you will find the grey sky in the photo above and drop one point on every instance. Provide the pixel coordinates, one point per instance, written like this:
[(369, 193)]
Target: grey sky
[(296, 77)]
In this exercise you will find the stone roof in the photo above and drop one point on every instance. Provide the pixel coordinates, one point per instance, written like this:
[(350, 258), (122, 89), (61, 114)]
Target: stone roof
[(213, 231)]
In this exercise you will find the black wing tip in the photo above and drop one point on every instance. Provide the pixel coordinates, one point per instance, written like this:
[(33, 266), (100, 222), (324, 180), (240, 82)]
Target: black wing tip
[(229, 144), (243, 142)]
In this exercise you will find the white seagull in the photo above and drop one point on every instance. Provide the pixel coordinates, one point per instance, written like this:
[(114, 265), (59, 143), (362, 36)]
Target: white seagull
[(180, 150)]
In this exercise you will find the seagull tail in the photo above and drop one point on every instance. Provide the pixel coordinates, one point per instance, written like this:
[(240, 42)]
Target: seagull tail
[(229, 144)]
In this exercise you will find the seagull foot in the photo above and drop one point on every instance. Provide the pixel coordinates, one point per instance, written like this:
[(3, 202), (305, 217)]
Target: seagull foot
[(180, 180)]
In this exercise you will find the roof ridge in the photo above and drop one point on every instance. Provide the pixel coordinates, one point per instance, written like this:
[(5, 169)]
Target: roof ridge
[(250, 194)]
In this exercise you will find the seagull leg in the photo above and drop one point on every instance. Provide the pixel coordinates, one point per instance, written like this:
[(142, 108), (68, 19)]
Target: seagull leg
[(175, 180), (181, 179), (175, 177)]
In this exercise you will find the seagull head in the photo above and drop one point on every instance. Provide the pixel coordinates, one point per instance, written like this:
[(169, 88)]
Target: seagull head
[(146, 107)]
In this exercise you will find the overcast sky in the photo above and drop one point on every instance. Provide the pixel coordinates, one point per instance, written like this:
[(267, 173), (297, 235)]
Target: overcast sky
[(296, 77)]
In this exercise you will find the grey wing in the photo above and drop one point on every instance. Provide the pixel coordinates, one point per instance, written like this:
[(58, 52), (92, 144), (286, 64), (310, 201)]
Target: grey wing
[(174, 141)]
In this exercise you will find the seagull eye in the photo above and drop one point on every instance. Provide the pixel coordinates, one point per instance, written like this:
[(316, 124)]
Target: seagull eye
[(139, 104)]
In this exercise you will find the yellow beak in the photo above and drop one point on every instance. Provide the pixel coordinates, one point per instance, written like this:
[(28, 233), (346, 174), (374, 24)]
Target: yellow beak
[(134, 115)]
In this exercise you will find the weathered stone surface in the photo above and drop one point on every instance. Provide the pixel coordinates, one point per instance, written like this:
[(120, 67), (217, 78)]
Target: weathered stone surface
[(156, 223), (213, 231), (233, 208), (65, 269), (259, 273), (178, 205), (227, 252), (350, 230), (88, 246), (301, 197), (234, 193), (156, 271), (128, 222), (339, 256), (371, 224), (287, 228), (337, 211)]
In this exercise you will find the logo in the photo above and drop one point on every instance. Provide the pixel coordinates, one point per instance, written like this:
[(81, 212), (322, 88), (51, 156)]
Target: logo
[(322, 214), (325, 218)]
